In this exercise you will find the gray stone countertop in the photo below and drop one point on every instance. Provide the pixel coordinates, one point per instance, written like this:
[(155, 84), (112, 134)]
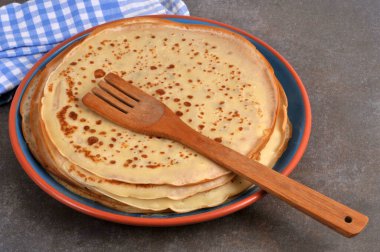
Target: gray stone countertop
[(335, 48)]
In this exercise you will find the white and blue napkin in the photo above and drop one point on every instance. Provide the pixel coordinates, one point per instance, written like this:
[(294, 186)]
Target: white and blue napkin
[(29, 30)]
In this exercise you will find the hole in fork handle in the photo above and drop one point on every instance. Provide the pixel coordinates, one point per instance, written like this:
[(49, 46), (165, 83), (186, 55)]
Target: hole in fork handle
[(348, 219)]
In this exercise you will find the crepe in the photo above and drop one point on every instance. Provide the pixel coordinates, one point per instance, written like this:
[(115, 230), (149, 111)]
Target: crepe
[(280, 136), (207, 199), (141, 189), (61, 167), (215, 80)]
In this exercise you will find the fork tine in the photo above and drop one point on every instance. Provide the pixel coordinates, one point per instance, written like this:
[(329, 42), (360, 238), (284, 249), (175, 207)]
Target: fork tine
[(111, 99), (125, 86), (101, 107), (108, 88)]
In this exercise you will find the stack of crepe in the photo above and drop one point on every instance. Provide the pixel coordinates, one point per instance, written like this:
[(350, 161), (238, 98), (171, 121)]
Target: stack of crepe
[(215, 80)]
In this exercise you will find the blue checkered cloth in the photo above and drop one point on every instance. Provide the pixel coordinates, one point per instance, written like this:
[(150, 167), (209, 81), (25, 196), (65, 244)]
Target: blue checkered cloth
[(29, 30)]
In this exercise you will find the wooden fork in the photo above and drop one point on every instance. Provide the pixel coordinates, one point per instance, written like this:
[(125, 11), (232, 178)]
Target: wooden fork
[(128, 106)]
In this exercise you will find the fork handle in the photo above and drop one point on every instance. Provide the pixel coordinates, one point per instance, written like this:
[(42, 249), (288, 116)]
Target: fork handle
[(327, 211)]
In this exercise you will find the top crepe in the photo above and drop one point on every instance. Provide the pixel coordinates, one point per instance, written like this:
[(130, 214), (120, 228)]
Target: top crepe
[(215, 80)]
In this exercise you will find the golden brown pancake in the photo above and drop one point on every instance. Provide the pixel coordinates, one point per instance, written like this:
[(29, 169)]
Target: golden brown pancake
[(215, 80), (254, 121), (208, 199)]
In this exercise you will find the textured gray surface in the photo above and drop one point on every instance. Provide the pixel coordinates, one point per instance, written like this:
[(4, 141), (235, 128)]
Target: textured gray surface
[(334, 47)]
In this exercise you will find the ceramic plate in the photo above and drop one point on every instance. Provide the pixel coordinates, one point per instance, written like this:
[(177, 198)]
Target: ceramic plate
[(299, 114)]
